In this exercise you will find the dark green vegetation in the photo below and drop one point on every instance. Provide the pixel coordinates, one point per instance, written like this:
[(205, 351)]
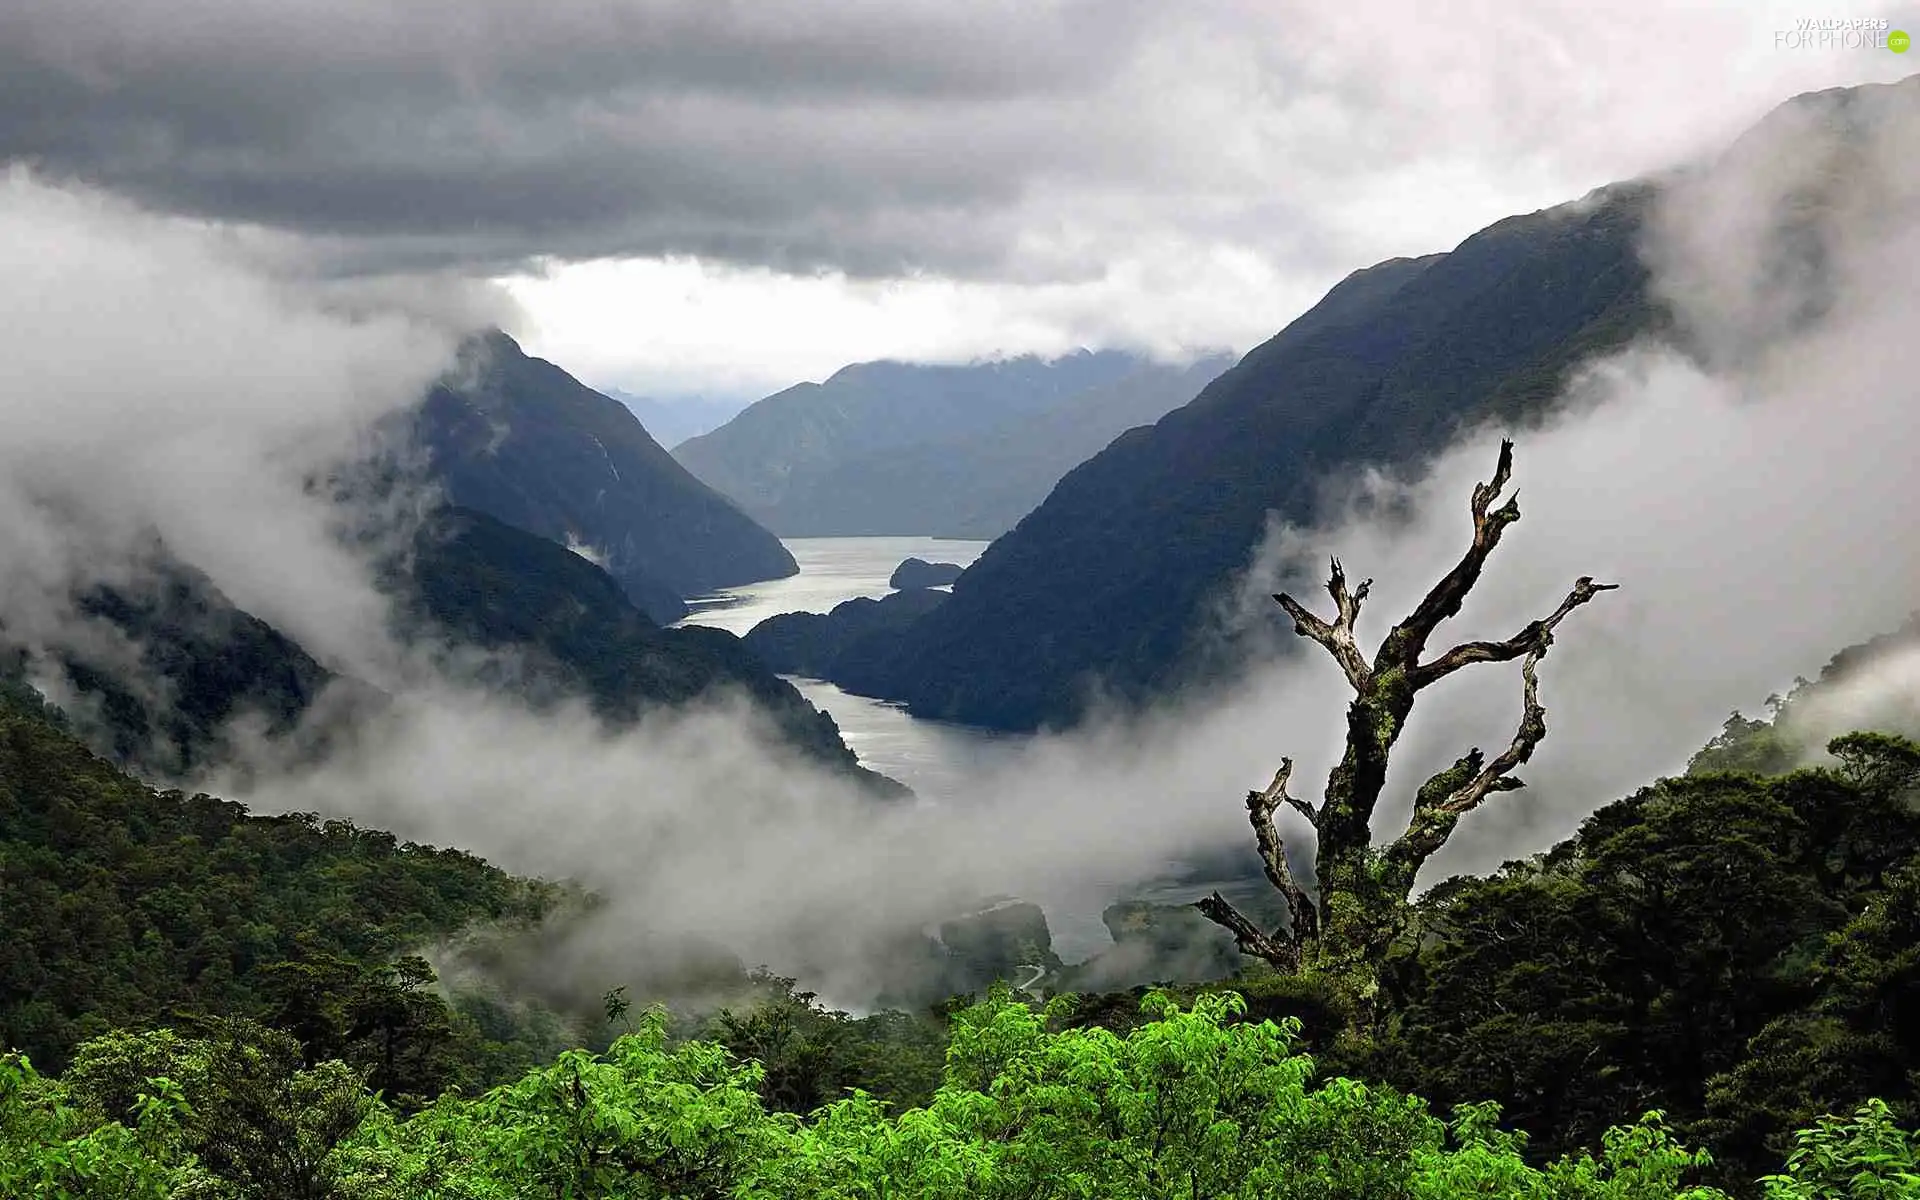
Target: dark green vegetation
[(957, 451), (121, 905), (1814, 711), (522, 441), (169, 662), (576, 634), (836, 645), (1193, 1104), (1111, 586), (1726, 960), (1733, 949)]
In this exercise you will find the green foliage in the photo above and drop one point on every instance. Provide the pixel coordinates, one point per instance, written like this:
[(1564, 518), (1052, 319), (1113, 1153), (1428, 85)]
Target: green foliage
[(387, 1020), (1194, 1102), (266, 1125), (1802, 721), (120, 904), (1728, 948), (234, 1116), (641, 1120), (1864, 1156), (53, 1150), (1880, 763), (810, 1055), (1851, 1042), (1638, 1162), (17, 693), (1746, 745)]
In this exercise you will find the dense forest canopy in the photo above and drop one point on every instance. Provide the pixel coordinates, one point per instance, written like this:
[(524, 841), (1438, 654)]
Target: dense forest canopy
[(1192, 1104)]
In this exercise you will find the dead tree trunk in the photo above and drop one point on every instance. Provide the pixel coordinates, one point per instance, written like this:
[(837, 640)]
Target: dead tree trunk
[(1363, 891)]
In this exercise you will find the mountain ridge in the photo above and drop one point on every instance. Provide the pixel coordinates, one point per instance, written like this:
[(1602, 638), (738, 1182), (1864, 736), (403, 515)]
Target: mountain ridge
[(779, 457), (521, 440), (979, 486), (1103, 584)]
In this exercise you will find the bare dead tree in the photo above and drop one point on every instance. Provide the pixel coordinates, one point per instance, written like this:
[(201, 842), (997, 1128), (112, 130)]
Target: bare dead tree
[(1362, 894)]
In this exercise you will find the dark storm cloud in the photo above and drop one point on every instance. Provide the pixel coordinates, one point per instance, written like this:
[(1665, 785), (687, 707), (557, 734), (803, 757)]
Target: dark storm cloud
[(1024, 142), (486, 131)]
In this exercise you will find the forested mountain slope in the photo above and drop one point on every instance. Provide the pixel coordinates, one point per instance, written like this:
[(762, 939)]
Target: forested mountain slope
[(524, 442), (120, 904), (1106, 585), (490, 585), (1108, 577), (163, 663)]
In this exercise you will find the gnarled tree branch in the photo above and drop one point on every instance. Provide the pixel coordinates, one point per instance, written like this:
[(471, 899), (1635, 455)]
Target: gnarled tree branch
[(1467, 653), (1362, 906), (1302, 920), (1283, 952), (1404, 645), (1273, 852), (1337, 637), (1460, 789)]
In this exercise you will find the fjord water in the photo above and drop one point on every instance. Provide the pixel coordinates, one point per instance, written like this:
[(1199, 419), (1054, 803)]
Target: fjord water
[(938, 760), (933, 758)]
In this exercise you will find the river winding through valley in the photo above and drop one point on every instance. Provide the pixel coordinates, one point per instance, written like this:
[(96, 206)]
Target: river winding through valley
[(933, 758)]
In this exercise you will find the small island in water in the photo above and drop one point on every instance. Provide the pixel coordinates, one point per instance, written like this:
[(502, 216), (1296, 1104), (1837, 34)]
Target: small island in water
[(919, 573)]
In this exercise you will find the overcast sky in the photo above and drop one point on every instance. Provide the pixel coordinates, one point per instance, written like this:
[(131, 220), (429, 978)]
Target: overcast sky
[(722, 198)]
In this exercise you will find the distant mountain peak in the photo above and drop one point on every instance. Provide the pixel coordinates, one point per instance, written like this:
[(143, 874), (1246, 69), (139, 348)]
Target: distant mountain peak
[(518, 438), (820, 459)]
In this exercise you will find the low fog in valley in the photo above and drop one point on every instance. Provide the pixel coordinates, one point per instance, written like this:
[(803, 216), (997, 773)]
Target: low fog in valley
[(175, 380)]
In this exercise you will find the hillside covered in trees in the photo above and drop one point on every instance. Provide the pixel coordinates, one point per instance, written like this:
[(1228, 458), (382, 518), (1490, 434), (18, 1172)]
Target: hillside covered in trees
[(160, 669), (1733, 950), (521, 440), (1192, 1104)]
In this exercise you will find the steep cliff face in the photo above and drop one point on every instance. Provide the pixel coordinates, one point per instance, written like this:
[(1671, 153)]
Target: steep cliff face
[(519, 439)]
